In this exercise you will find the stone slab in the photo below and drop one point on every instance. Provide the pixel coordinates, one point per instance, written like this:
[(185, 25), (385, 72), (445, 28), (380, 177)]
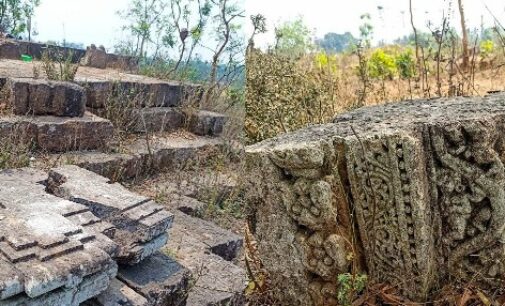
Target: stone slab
[(42, 97), (159, 278), (206, 123), (155, 120), (106, 94), (57, 134), (118, 294), (141, 224), (215, 239)]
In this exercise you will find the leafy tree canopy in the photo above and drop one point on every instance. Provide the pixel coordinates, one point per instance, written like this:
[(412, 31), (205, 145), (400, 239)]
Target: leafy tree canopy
[(15, 15), (293, 38), (334, 43)]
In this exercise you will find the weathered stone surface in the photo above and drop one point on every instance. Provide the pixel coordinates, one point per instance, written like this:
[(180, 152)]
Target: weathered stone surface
[(110, 94), (187, 205), (43, 97), (426, 181), (95, 57), (155, 120), (9, 49), (44, 256), (57, 134), (141, 224), (169, 153), (205, 123), (219, 241), (118, 293), (159, 278), (218, 281)]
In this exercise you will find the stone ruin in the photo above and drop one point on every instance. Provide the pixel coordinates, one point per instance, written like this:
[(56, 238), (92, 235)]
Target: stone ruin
[(70, 234), (410, 193), (99, 58)]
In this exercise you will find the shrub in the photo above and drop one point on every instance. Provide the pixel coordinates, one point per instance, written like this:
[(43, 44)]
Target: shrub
[(381, 65)]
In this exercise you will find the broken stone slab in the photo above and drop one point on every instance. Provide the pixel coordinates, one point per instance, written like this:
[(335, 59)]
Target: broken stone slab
[(159, 278), (206, 123), (418, 173), (215, 239), (57, 134), (217, 281), (155, 120), (118, 293), (43, 97), (9, 49), (141, 223)]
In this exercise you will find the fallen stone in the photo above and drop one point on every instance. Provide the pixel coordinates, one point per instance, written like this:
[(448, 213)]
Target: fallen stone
[(423, 177), (141, 224), (215, 239), (217, 281), (95, 57), (159, 278), (205, 123), (43, 97), (118, 293)]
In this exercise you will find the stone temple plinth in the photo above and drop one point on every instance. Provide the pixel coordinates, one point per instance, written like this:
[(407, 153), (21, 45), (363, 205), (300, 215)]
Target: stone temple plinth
[(411, 193)]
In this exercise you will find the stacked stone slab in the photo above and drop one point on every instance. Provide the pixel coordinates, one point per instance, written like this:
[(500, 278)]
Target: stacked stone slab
[(45, 257), (51, 117), (423, 179), (153, 106), (59, 251)]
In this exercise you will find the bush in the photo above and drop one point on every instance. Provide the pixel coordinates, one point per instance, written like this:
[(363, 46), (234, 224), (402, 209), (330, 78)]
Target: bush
[(381, 65)]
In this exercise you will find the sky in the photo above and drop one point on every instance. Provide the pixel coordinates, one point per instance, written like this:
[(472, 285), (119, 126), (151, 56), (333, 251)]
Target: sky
[(96, 21), (393, 21)]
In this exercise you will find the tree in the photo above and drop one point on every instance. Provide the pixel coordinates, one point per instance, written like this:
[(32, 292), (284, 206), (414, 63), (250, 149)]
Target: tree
[(293, 38), (466, 55), (15, 15), (333, 42)]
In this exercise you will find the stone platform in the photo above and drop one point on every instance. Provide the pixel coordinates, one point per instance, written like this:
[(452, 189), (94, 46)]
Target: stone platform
[(424, 180)]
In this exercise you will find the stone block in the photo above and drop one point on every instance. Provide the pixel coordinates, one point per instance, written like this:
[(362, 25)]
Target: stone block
[(217, 281), (159, 278), (118, 293), (205, 123), (43, 97), (423, 178), (9, 49), (95, 57), (154, 120), (141, 224)]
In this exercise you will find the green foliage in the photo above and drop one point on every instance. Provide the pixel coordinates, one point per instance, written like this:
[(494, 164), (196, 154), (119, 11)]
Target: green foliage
[(16, 14), (486, 48), (325, 61), (293, 38), (349, 287), (406, 64), (381, 65), (58, 66), (366, 31)]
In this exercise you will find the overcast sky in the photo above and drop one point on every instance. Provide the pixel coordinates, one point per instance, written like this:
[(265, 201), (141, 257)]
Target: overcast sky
[(391, 22), (96, 21)]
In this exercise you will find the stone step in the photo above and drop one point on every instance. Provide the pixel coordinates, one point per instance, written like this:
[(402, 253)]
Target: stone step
[(138, 93), (166, 153), (218, 281), (206, 123), (57, 134), (29, 97), (141, 224)]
